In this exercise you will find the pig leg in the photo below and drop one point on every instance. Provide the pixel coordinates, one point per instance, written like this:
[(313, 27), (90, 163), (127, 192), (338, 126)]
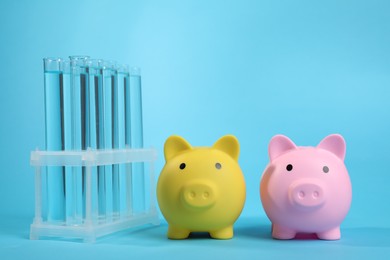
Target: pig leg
[(279, 232), (223, 233), (332, 234), (177, 233)]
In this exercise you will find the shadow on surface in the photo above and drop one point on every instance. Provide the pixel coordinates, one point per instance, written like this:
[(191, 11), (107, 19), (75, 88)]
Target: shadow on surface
[(355, 237), (253, 228)]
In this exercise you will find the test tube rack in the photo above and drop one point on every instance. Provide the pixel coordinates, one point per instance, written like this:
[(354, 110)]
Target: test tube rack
[(92, 225), (94, 176)]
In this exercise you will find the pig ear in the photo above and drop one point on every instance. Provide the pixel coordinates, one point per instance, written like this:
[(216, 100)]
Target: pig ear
[(278, 145), (174, 145), (228, 144), (335, 144)]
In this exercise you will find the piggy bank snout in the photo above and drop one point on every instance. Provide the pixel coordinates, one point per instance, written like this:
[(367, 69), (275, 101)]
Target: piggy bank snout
[(199, 194), (307, 194)]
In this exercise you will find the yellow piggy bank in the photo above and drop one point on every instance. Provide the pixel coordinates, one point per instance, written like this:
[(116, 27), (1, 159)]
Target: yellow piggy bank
[(201, 189)]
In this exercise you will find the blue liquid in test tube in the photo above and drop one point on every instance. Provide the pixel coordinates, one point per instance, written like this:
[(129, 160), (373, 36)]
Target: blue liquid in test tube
[(54, 137), (68, 139), (95, 74), (125, 76), (117, 135), (79, 84), (107, 113), (136, 137), (123, 188), (97, 83)]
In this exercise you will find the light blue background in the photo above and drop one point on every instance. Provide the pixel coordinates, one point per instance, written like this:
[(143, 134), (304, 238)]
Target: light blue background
[(254, 69)]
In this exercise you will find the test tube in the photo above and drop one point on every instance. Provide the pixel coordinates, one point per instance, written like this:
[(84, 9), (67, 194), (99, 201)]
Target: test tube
[(137, 139), (108, 137), (136, 136), (79, 85), (97, 79), (117, 134), (120, 137), (94, 72), (68, 139), (125, 75), (54, 137)]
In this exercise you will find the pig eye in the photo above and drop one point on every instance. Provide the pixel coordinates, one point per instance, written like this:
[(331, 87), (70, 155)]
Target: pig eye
[(182, 166), (289, 167), (325, 169), (218, 165)]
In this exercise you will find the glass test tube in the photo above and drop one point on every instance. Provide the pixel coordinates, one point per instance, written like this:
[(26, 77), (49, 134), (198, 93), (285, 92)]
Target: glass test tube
[(129, 167), (117, 138), (136, 137), (79, 85), (120, 140), (54, 137), (108, 138), (94, 72), (68, 139)]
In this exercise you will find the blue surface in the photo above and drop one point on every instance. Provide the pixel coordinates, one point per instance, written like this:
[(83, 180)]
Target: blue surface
[(251, 241), (254, 69)]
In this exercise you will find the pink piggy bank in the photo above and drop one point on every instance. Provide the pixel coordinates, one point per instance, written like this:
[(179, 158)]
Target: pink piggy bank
[(306, 189)]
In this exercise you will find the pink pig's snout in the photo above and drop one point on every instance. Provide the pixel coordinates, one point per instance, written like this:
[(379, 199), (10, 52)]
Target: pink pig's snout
[(307, 194), (199, 194)]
